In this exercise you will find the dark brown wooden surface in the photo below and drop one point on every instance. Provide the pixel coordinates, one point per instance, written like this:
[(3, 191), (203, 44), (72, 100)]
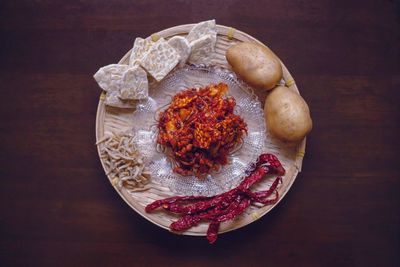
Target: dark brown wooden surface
[(57, 207)]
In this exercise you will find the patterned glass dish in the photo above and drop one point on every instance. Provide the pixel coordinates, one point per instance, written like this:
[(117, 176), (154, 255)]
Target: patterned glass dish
[(160, 164)]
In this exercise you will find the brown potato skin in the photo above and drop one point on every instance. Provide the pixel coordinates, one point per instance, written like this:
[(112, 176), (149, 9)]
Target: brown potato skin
[(255, 64), (287, 115)]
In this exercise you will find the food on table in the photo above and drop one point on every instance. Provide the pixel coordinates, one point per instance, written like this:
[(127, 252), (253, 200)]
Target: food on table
[(181, 46), (200, 129), (122, 83), (140, 48), (202, 38), (255, 64), (287, 114), (160, 59), (123, 161), (202, 49), (201, 29), (226, 206), (109, 77), (134, 84)]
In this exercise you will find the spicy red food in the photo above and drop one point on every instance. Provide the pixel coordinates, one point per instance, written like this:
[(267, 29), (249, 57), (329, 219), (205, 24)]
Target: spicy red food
[(200, 129), (226, 206)]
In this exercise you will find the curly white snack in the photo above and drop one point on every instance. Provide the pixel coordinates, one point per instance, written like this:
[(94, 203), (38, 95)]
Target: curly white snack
[(134, 84), (202, 50), (140, 47), (123, 162), (160, 59), (109, 77), (201, 29), (181, 45)]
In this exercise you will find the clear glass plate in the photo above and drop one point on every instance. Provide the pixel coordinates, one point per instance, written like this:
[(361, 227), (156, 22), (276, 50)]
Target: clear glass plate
[(160, 165)]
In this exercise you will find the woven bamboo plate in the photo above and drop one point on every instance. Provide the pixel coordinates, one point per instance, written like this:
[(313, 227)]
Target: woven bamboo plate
[(115, 120)]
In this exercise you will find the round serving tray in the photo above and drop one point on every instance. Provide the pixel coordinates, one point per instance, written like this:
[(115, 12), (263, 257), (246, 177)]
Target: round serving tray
[(110, 120)]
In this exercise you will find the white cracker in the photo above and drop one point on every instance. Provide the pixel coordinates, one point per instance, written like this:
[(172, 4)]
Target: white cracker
[(201, 29), (160, 59), (181, 45), (109, 77), (113, 99), (117, 79), (140, 47), (134, 84), (203, 49)]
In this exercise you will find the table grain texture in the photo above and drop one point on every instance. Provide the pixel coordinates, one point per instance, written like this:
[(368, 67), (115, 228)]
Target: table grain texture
[(58, 208)]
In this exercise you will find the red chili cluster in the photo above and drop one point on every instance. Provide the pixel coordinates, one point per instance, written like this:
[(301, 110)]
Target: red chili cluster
[(225, 206), (200, 129)]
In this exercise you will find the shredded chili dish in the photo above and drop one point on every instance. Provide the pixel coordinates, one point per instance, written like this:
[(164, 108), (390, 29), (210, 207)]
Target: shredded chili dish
[(200, 129)]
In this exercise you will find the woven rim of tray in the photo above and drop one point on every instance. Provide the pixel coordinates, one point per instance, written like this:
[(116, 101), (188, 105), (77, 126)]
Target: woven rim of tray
[(227, 36)]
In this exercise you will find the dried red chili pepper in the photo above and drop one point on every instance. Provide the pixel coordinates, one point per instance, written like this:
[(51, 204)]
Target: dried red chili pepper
[(185, 223), (261, 196), (212, 232), (225, 206), (255, 198), (167, 201), (237, 210), (227, 196)]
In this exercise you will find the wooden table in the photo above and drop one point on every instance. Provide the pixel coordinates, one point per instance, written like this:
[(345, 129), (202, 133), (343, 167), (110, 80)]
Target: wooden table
[(57, 207)]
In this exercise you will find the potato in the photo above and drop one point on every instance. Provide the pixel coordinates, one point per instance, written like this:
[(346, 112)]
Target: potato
[(255, 64), (287, 115)]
